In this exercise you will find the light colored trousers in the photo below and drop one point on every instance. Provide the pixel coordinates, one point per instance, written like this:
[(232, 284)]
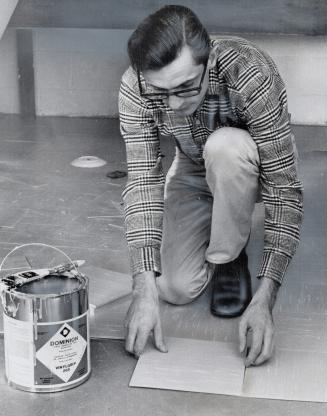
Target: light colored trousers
[(208, 210)]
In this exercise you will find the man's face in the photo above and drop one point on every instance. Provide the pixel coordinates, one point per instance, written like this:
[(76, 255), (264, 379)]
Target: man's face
[(180, 74)]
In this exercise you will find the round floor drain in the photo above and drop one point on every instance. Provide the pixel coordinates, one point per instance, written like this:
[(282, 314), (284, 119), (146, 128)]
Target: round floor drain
[(88, 162)]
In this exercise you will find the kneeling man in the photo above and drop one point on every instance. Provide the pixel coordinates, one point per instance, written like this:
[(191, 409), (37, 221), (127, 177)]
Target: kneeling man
[(224, 103)]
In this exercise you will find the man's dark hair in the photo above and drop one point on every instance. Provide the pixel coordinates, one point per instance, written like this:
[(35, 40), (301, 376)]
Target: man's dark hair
[(159, 38)]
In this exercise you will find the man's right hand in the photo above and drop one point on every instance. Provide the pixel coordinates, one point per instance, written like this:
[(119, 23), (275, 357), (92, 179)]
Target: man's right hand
[(143, 315)]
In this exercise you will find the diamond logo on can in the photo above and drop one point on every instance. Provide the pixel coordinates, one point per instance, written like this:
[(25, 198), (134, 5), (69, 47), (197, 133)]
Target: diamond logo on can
[(65, 332), (63, 352)]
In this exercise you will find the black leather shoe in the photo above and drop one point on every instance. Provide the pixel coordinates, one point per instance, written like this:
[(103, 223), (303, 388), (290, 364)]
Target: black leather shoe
[(231, 288)]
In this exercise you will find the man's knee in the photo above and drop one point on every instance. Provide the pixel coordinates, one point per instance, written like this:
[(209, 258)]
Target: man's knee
[(229, 144), (177, 291)]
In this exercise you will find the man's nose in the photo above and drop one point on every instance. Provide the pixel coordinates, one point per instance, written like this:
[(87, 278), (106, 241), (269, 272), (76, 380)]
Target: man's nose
[(175, 102)]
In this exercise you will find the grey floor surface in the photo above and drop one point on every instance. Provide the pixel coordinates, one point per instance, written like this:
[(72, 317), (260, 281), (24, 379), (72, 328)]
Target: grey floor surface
[(44, 199)]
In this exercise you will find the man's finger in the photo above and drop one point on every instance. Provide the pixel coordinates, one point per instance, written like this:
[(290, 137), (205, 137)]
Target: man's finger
[(256, 347), (242, 332), (130, 339), (141, 339), (267, 347), (158, 338), (128, 316)]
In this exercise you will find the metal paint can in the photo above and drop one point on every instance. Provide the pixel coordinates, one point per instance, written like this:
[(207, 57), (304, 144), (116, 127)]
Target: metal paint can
[(46, 328)]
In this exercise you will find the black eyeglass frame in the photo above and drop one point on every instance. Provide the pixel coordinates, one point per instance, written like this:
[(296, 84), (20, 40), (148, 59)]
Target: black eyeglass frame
[(168, 94)]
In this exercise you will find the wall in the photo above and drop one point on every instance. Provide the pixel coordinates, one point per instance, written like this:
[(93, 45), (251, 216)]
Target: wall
[(9, 95), (77, 72), (307, 17)]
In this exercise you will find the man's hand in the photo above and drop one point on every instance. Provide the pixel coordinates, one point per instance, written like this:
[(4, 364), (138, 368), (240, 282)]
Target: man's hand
[(143, 315), (258, 320)]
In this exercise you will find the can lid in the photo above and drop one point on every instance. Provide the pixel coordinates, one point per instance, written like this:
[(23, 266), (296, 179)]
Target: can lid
[(64, 279), (51, 285), (43, 282)]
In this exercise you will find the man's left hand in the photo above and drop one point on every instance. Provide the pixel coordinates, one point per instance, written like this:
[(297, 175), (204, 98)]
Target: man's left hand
[(258, 320)]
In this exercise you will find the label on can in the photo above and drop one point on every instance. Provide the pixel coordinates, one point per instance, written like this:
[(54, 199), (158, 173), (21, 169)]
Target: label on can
[(57, 356), (19, 351)]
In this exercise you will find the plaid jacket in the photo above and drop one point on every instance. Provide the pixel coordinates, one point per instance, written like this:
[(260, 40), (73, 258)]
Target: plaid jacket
[(245, 90)]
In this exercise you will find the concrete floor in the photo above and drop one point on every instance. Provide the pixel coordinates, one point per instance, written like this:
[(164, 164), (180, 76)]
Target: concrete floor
[(44, 199)]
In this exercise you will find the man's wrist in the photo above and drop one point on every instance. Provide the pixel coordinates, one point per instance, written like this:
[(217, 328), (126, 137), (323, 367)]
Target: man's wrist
[(144, 276), (266, 294), (145, 284)]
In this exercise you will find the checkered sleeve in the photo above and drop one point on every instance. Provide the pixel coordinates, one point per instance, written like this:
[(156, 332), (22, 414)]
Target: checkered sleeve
[(267, 119), (143, 194)]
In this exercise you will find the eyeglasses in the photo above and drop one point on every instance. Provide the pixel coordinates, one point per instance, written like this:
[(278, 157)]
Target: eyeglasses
[(187, 92)]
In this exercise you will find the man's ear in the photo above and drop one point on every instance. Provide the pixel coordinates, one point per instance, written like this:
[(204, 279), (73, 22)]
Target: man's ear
[(213, 56)]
